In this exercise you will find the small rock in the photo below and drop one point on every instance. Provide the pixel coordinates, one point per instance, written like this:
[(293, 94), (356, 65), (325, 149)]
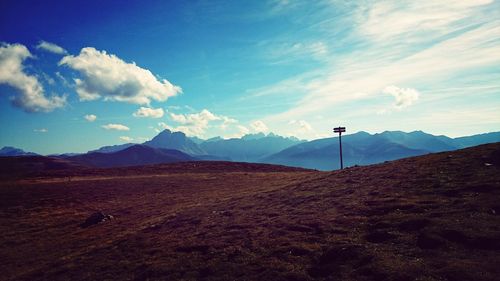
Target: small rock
[(96, 218), (223, 213)]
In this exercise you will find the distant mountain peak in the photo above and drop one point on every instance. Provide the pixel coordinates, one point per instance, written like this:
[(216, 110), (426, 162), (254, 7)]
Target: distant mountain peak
[(214, 139), (263, 135), (112, 148), (14, 151), (253, 136), (175, 140), (169, 132)]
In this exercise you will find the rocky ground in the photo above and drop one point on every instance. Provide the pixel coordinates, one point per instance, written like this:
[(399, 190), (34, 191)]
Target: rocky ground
[(434, 217)]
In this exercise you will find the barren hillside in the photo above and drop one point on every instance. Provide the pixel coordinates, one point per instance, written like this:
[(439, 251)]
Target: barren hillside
[(434, 217)]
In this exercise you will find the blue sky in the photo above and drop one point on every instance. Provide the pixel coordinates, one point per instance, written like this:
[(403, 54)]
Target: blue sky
[(74, 76)]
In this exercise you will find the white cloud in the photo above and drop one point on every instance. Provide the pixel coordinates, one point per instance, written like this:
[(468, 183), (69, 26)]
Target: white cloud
[(259, 126), (90, 117), (43, 130), (194, 124), (126, 139), (51, 47), (197, 124), (107, 76), (226, 122), (149, 112), (118, 127), (301, 127), (240, 132), (243, 130), (30, 93), (404, 97), (164, 126)]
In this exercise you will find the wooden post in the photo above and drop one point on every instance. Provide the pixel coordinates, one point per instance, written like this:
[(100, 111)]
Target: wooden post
[(340, 130)]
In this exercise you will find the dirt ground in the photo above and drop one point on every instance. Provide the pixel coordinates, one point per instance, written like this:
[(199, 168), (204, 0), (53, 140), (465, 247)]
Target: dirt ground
[(434, 217)]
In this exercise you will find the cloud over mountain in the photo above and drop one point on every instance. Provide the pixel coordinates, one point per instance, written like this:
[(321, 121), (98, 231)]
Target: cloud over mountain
[(300, 127), (404, 97), (30, 94), (259, 126), (195, 124), (107, 76)]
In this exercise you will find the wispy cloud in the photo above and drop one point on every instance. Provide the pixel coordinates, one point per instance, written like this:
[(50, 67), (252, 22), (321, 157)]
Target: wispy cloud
[(126, 139), (51, 47), (416, 44), (413, 20), (42, 130), (290, 52)]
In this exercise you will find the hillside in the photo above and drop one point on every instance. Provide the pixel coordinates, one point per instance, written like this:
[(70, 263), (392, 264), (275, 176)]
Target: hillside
[(432, 217), (131, 156), (29, 166)]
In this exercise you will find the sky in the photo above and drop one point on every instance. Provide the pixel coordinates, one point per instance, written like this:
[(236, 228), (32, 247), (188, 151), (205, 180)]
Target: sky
[(76, 75)]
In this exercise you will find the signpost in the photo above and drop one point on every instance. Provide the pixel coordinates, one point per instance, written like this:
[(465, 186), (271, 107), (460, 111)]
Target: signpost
[(340, 130)]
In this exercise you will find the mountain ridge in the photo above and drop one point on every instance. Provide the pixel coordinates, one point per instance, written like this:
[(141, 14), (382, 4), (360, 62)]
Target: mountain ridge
[(360, 148), (135, 155), (14, 151), (175, 140), (363, 148)]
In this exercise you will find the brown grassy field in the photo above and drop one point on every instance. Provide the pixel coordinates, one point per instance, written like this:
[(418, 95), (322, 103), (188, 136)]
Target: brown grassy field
[(434, 217)]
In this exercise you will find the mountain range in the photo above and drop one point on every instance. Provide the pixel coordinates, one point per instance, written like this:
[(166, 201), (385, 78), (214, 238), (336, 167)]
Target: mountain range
[(363, 148), (360, 148), (249, 148), (134, 155)]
